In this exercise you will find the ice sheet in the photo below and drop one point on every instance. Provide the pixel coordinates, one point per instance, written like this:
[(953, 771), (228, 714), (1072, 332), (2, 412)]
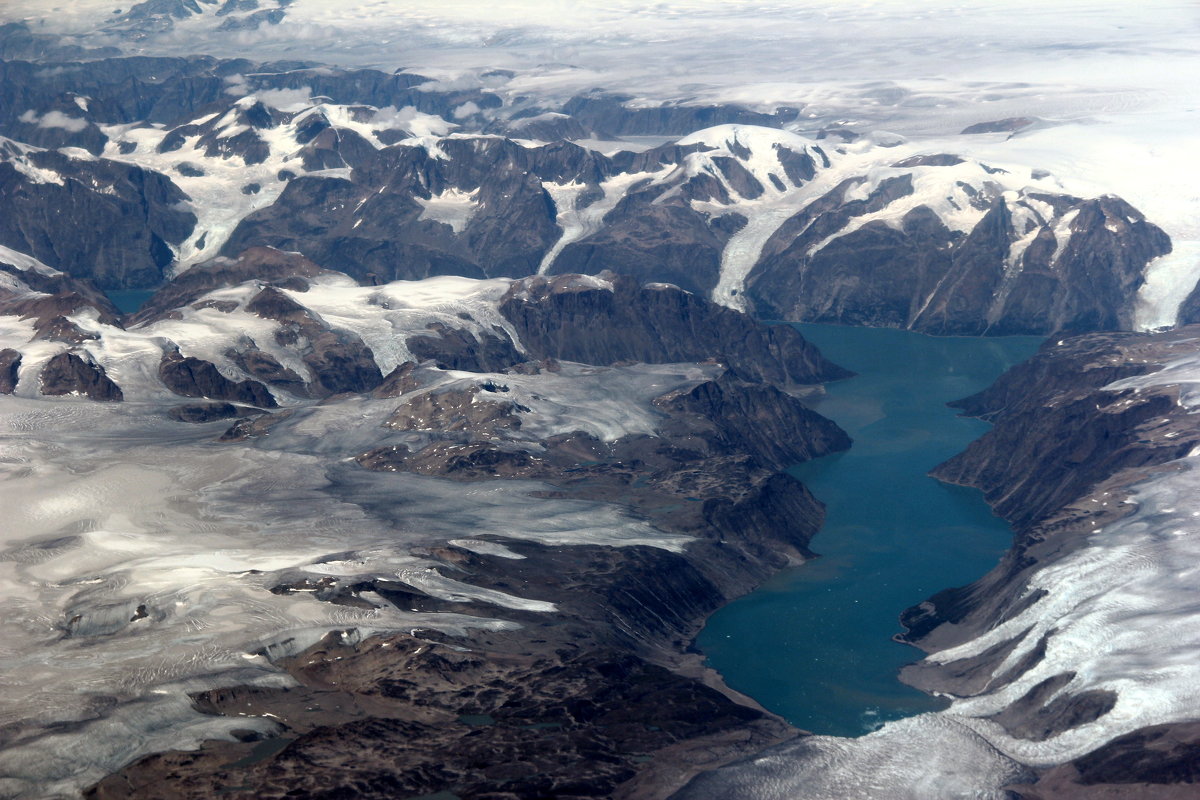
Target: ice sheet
[(130, 574), (1121, 613)]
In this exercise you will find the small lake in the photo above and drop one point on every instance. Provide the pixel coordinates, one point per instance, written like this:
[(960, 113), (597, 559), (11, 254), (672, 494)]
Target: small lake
[(129, 301), (814, 643)]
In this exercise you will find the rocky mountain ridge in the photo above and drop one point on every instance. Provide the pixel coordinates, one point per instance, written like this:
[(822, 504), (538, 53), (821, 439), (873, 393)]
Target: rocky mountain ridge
[(286, 330), (383, 177)]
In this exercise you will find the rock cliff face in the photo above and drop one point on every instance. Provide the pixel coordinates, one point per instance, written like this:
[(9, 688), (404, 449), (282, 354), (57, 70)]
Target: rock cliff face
[(1038, 265), (112, 223), (1052, 444), (614, 319)]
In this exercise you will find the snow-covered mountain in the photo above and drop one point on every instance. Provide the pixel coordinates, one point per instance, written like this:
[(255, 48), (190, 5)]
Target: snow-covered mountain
[(756, 218), (450, 402)]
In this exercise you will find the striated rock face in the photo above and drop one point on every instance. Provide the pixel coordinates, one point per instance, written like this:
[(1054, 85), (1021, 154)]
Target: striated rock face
[(616, 320), (1057, 433), (1037, 265), (68, 373), (194, 377)]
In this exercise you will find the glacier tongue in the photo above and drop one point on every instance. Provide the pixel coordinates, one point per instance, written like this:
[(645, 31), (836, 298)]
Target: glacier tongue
[(929, 757)]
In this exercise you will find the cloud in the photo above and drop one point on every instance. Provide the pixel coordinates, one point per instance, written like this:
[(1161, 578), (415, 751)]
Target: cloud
[(237, 85), (54, 119), (465, 110), (410, 119), (286, 99)]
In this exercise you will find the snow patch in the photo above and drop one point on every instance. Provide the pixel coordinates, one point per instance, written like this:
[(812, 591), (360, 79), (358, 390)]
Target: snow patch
[(453, 207)]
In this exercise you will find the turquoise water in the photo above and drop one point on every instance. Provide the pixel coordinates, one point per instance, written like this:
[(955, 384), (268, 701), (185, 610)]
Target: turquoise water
[(129, 301), (814, 644)]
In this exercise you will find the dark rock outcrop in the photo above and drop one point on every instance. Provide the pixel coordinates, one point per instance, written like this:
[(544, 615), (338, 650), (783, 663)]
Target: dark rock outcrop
[(133, 216), (339, 360), (208, 412), (734, 415), (67, 295), (49, 302), (397, 382), (1006, 125), (267, 369), (10, 366), (68, 373), (1189, 310), (455, 348), (573, 320), (194, 377), (474, 409), (608, 115), (1039, 714), (272, 267)]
